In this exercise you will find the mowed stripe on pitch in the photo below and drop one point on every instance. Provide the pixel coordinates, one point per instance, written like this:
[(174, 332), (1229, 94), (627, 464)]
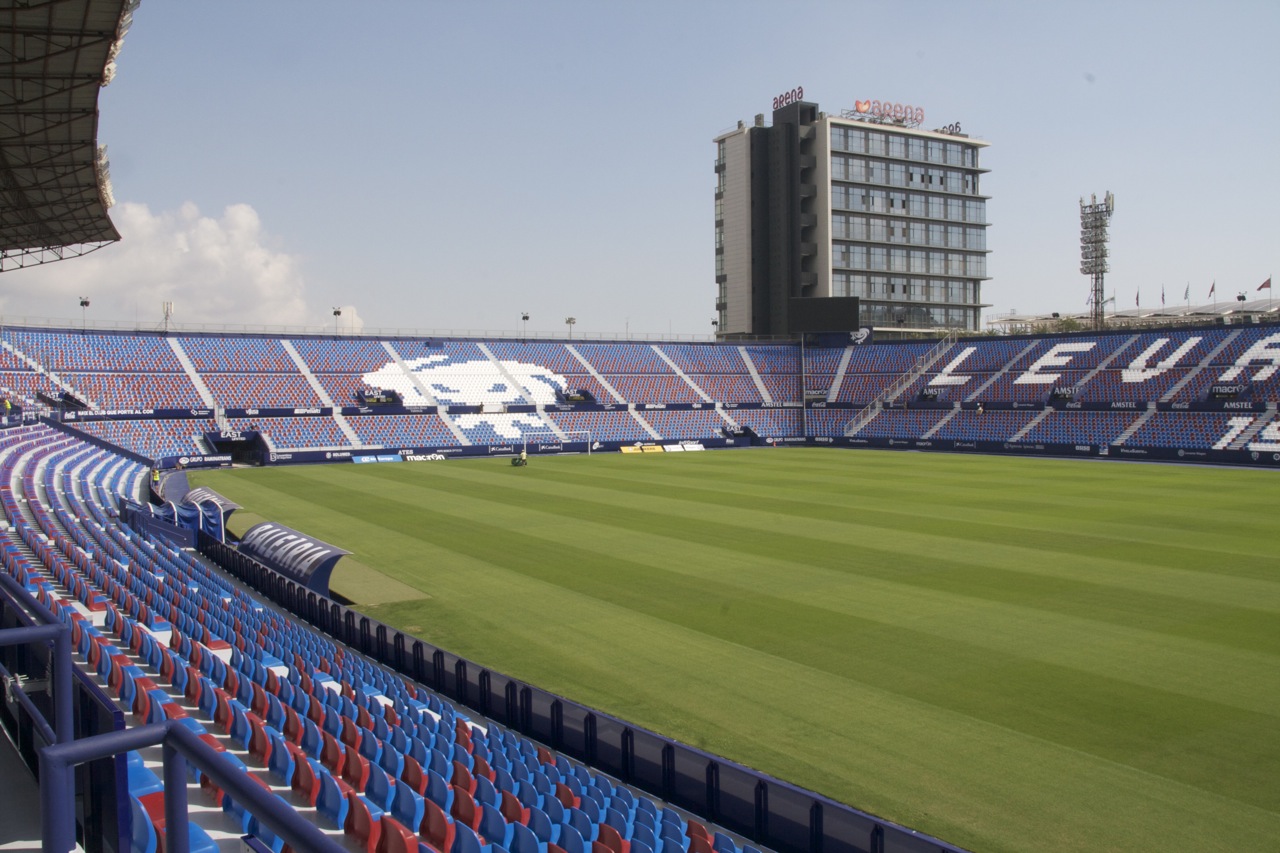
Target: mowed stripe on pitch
[(886, 582)]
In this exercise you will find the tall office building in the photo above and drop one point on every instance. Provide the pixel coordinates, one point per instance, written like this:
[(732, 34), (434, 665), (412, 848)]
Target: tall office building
[(863, 206)]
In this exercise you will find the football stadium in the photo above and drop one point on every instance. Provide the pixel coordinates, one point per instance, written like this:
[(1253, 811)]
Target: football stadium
[(830, 594)]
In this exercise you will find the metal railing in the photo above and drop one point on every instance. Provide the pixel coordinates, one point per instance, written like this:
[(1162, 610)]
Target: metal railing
[(890, 392)]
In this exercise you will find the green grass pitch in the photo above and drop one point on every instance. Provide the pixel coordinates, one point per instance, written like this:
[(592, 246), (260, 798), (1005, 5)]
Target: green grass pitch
[(1010, 654)]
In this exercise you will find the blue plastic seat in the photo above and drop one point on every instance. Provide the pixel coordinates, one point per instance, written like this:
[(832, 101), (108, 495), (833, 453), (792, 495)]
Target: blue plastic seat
[(143, 836), (239, 730), (642, 831), (439, 791), (523, 840), (142, 781), (493, 826), (618, 821), (379, 789), (466, 841), (486, 793), (332, 802), (554, 809), (407, 805), (570, 840), (541, 826), (280, 763)]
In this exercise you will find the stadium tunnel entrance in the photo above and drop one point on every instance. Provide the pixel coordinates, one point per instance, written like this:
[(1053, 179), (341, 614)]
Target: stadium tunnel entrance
[(247, 447)]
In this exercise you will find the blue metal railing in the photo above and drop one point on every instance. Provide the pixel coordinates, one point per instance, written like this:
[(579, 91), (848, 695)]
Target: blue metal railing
[(179, 745)]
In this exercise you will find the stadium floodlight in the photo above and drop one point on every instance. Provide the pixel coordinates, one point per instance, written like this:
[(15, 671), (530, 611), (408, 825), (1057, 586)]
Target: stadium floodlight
[(524, 319), (337, 312), (570, 321), (1094, 217), (84, 304)]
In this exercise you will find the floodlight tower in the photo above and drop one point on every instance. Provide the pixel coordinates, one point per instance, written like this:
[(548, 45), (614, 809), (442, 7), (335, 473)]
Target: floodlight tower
[(1094, 217)]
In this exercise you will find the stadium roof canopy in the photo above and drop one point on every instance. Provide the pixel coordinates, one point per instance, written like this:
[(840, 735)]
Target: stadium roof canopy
[(55, 57)]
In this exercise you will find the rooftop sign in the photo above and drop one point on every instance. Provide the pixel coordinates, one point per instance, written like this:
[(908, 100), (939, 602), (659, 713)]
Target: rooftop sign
[(885, 111)]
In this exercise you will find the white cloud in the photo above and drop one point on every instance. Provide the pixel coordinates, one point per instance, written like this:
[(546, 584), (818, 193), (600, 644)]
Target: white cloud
[(216, 271)]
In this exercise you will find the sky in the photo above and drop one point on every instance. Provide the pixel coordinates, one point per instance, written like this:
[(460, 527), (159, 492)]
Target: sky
[(448, 166)]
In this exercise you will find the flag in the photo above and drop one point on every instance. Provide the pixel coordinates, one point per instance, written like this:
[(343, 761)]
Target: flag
[(1137, 299), (1186, 297), (1162, 294), (1266, 285), (1213, 287)]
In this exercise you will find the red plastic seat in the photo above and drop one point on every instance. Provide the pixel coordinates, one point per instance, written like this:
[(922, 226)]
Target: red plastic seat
[(396, 837), (464, 809), (360, 823), (612, 839), (356, 770), (437, 828)]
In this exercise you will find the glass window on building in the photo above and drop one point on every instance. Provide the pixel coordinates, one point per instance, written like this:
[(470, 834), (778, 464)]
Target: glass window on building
[(955, 263), (975, 211), (937, 236), (898, 203), (953, 153), (875, 143), (719, 209), (955, 181), (901, 287), (897, 174), (955, 236), (937, 207), (975, 238), (937, 263), (977, 266), (919, 261), (719, 236), (934, 151), (915, 149), (855, 140), (878, 201), (876, 171), (879, 230), (919, 205), (879, 257), (917, 232), (897, 146), (837, 138), (897, 260), (955, 209)]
